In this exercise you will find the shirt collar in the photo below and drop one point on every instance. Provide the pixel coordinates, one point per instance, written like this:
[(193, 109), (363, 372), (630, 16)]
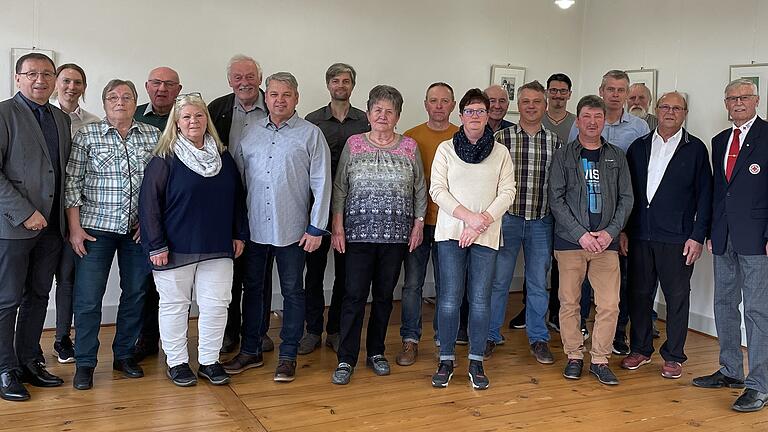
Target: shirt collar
[(32, 104), (258, 105), (745, 127), (518, 129), (674, 138), (352, 113), (291, 122), (77, 113), (106, 127)]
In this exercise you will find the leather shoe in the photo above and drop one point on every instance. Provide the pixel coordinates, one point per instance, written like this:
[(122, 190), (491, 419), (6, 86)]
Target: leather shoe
[(128, 367), (751, 400), (11, 388), (83, 379), (35, 374), (144, 348), (717, 380)]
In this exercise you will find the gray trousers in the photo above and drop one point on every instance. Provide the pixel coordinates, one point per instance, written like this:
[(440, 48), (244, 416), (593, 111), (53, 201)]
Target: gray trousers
[(736, 276)]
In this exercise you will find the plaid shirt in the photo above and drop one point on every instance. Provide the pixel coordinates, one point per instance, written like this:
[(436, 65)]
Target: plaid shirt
[(531, 157), (105, 172)]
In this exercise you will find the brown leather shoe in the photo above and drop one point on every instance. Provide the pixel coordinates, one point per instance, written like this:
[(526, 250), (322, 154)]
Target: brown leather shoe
[(407, 356), (285, 371), (242, 362)]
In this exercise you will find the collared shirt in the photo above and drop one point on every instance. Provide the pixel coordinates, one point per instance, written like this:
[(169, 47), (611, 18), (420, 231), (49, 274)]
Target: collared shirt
[(661, 154), (338, 132), (531, 158), (744, 131), (287, 171), (79, 117), (240, 120), (145, 114), (652, 120), (105, 172), (622, 133)]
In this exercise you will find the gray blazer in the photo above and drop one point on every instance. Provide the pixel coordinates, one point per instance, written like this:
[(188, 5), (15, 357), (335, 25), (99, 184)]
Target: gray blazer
[(27, 178)]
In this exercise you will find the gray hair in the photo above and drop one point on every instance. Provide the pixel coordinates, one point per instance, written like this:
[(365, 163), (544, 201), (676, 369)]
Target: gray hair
[(337, 69), (647, 90), (590, 101), (284, 77), (113, 84), (534, 86), (615, 74), (386, 93), (673, 93), (237, 58), (740, 82)]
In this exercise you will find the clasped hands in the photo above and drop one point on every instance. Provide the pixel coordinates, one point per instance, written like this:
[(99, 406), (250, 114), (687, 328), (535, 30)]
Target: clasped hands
[(474, 225), (595, 242)]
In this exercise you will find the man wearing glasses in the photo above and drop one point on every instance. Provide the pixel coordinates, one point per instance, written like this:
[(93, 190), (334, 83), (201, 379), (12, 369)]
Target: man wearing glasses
[(162, 86), (558, 119), (528, 222), (738, 243), (672, 185), (34, 144)]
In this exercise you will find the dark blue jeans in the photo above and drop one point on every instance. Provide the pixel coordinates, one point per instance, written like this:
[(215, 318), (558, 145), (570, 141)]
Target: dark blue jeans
[(290, 268), (472, 269), (415, 272), (91, 277)]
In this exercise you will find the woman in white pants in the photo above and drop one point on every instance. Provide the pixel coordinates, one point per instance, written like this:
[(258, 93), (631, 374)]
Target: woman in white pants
[(193, 223)]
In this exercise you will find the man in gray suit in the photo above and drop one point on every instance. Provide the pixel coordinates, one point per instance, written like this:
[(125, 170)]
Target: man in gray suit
[(34, 149)]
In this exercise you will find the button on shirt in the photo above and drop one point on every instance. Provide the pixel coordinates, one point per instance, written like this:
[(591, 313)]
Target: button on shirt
[(661, 154), (622, 133), (744, 131), (286, 167), (105, 172)]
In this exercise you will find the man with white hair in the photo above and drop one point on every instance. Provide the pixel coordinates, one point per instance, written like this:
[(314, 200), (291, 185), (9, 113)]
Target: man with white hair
[(499, 98), (639, 102)]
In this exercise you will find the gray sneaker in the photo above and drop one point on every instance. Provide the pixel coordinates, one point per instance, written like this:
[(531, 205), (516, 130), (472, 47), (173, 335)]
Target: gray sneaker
[(332, 341), (379, 364), (309, 343), (342, 374)]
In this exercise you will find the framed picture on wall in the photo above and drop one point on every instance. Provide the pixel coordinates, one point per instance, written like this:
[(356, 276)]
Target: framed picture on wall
[(644, 76), (16, 54), (509, 78), (758, 74)]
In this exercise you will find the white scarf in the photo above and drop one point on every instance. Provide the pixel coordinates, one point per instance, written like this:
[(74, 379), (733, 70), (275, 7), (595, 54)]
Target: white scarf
[(205, 161)]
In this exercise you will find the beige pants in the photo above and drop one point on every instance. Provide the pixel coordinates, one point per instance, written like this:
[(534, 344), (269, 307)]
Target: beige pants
[(602, 269)]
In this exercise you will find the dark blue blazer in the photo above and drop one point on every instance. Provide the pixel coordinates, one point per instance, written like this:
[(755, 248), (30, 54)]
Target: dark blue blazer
[(740, 207)]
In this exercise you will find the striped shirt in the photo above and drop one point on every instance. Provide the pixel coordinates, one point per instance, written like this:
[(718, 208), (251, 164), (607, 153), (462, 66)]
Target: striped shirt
[(105, 172), (531, 157)]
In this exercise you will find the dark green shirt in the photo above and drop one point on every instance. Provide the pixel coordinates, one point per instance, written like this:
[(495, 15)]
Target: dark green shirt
[(144, 114)]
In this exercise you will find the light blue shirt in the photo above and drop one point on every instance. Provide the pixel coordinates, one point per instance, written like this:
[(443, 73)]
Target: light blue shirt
[(287, 173), (622, 133)]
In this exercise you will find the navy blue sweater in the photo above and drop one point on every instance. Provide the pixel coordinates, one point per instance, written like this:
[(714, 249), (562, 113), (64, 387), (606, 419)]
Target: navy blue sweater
[(194, 218), (681, 206)]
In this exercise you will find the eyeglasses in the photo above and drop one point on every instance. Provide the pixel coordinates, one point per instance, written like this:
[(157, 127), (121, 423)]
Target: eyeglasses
[(469, 112), (157, 83), (742, 98), (668, 108), (189, 95), (32, 76), (554, 91), (125, 99)]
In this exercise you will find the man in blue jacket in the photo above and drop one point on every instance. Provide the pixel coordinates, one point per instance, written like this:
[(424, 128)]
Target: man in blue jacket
[(672, 184)]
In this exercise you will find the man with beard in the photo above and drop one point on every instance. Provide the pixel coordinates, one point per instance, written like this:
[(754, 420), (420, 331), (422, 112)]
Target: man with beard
[(639, 101), (499, 105), (338, 120), (558, 119)]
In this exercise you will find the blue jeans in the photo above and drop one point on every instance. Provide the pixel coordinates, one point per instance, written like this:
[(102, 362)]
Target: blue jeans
[(535, 237), (415, 272), (91, 274), (290, 268), (462, 269)]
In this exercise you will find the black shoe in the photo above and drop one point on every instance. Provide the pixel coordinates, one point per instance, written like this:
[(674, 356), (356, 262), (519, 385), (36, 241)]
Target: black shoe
[(242, 362), (620, 347), (214, 372), (717, 380), (285, 371), (11, 388), (443, 375), (750, 401), (603, 373), (83, 379), (477, 375), (267, 344), (128, 367), (518, 322), (489, 347), (379, 364), (462, 338), (145, 348), (182, 375), (35, 374), (65, 350), (229, 344), (573, 369)]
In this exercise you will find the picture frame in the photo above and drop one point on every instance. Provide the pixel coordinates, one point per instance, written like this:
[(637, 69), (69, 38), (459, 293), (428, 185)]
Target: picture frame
[(757, 73), (16, 54), (647, 77), (509, 78)]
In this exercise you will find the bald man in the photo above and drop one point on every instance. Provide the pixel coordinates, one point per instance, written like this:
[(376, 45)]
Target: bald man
[(162, 86), (499, 106)]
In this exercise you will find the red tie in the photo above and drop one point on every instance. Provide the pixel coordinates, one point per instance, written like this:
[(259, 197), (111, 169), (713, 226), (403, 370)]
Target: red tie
[(733, 153)]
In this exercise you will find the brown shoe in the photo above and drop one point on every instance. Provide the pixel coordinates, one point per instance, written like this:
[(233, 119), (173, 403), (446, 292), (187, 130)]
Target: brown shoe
[(407, 356), (634, 360), (672, 370), (242, 362), (540, 350), (285, 371)]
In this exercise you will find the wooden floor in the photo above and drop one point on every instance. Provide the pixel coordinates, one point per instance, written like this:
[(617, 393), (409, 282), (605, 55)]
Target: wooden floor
[(524, 395)]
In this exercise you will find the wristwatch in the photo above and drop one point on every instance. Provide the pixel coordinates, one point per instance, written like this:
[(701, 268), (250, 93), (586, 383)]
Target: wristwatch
[(420, 219)]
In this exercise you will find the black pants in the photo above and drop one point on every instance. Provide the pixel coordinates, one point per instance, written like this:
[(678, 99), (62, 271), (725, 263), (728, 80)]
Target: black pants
[(371, 267), (150, 328), (26, 268), (234, 313), (65, 282), (313, 289), (648, 262), (623, 320)]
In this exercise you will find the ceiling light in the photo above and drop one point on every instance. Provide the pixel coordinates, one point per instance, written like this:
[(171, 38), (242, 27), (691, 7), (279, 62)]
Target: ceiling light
[(564, 4)]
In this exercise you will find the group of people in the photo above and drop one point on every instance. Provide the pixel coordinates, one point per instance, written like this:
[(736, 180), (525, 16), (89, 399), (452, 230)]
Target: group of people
[(201, 200)]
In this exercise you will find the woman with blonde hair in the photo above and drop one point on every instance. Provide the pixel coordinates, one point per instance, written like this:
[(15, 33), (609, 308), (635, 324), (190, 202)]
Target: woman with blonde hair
[(193, 224)]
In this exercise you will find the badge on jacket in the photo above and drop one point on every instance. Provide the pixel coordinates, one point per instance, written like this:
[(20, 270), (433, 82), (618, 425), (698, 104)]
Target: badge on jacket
[(754, 169)]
